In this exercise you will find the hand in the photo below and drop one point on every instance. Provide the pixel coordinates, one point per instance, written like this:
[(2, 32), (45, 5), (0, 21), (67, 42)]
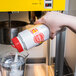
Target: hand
[(55, 21)]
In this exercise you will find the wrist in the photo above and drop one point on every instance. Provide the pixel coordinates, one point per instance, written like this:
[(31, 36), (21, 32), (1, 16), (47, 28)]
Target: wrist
[(71, 22), (67, 20)]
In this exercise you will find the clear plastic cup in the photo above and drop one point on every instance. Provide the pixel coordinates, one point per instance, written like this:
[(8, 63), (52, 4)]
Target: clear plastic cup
[(10, 67)]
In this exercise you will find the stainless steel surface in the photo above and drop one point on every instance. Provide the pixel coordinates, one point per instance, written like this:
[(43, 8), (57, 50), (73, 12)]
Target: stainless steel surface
[(36, 70), (60, 47), (7, 33), (49, 57)]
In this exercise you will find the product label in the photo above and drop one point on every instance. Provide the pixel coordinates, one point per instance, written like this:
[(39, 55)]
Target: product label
[(34, 36), (38, 36), (33, 31)]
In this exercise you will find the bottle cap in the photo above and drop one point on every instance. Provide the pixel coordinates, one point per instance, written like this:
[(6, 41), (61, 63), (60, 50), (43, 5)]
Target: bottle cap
[(17, 44)]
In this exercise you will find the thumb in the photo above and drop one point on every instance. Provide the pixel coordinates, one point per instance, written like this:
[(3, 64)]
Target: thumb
[(39, 21)]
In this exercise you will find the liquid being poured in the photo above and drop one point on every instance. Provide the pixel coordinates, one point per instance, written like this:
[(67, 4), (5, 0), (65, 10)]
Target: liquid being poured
[(16, 57), (14, 69)]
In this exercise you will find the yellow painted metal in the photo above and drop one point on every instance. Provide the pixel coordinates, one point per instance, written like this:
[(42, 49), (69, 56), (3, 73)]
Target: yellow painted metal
[(30, 5)]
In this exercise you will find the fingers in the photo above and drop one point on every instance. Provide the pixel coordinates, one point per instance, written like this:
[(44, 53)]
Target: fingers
[(40, 21), (43, 21)]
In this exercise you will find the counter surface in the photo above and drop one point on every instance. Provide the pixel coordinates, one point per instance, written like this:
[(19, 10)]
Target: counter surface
[(39, 70)]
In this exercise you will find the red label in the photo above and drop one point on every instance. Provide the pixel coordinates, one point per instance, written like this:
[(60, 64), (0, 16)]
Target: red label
[(39, 38)]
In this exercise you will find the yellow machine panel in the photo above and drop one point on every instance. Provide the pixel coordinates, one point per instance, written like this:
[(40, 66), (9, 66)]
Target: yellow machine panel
[(32, 5)]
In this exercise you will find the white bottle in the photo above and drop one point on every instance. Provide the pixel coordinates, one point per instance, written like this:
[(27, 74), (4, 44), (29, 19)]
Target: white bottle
[(31, 37)]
